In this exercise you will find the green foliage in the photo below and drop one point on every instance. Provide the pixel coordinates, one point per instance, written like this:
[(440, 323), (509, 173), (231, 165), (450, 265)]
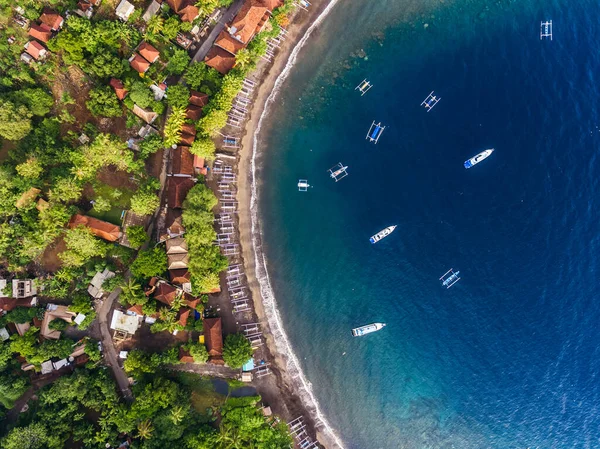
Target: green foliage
[(15, 121), (149, 263), (172, 131), (104, 103), (36, 100), (198, 352), (58, 324), (150, 145), (81, 247), (178, 61), (139, 362), (33, 436), (92, 350), (105, 150), (106, 65), (31, 168), (203, 147), (141, 94), (65, 189), (136, 235), (145, 201), (213, 121), (82, 303), (171, 27), (11, 389), (178, 96), (236, 350), (132, 293)]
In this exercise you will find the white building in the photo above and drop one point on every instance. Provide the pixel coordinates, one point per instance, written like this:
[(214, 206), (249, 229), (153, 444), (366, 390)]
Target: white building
[(124, 10)]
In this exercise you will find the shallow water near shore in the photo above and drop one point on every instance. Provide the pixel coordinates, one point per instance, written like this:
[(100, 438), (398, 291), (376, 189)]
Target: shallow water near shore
[(508, 357)]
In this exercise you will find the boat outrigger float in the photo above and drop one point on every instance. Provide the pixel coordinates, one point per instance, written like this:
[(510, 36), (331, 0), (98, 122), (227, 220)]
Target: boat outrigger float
[(368, 329), (382, 234), (375, 132), (478, 158), (450, 278)]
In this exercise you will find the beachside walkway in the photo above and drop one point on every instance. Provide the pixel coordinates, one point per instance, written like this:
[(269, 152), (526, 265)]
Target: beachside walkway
[(208, 369), (208, 43)]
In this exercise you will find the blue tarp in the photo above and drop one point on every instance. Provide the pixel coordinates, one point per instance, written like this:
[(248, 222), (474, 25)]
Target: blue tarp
[(248, 366)]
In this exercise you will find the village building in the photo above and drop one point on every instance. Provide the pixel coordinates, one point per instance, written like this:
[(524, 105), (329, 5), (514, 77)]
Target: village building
[(178, 261), (24, 288), (193, 112), (148, 116), (55, 312), (185, 9), (182, 162), (95, 288), (118, 87), (187, 139), (159, 91), (138, 63), (213, 336), (124, 324), (177, 190), (181, 277), (173, 224), (124, 10), (35, 50), (26, 58), (8, 304), (99, 228), (52, 19), (200, 166), (177, 245), (84, 9), (151, 11), (183, 315), (41, 32), (148, 52), (185, 356), (220, 60), (198, 98)]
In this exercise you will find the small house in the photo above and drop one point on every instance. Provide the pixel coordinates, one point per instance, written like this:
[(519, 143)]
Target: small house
[(124, 10), (138, 63), (23, 288), (118, 87), (220, 60), (177, 190), (200, 166), (178, 261), (55, 312), (84, 9), (193, 112), (182, 163), (52, 19), (126, 324), (151, 11), (213, 336), (148, 52), (36, 50), (99, 228), (41, 32), (198, 98), (144, 114), (177, 245), (185, 9), (95, 288)]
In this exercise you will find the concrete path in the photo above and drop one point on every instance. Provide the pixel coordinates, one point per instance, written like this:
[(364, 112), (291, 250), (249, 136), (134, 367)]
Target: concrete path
[(208, 369), (212, 36)]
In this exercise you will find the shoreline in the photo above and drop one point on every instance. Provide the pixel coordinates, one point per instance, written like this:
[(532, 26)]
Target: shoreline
[(295, 397)]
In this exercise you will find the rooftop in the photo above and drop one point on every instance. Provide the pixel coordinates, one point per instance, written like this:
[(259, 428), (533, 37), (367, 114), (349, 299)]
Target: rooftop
[(40, 32), (178, 261), (220, 60), (193, 112), (35, 49), (148, 52), (213, 336), (185, 9), (177, 190), (52, 19), (229, 43), (119, 88), (139, 64), (99, 228), (124, 323), (182, 162), (177, 245), (198, 98)]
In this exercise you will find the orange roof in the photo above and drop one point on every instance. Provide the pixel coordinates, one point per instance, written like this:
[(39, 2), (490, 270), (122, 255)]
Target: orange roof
[(177, 190), (139, 64), (198, 98), (220, 60), (188, 128), (190, 301), (41, 32), (35, 49), (182, 161), (148, 52), (228, 43), (120, 90), (193, 112), (84, 5), (136, 309), (180, 276), (174, 221), (213, 338), (185, 9), (52, 19), (187, 139), (185, 356), (165, 293), (199, 165), (251, 19), (7, 304), (99, 228), (183, 315)]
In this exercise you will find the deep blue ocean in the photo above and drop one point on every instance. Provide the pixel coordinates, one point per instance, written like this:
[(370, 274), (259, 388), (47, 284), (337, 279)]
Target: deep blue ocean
[(509, 357)]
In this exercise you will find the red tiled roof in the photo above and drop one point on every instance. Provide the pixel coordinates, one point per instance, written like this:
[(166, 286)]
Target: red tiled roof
[(148, 52), (193, 112), (182, 161), (83, 5), (136, 309), (51, 18), (119, 88), (198, 98), (185, 9), (180, 276), (174, 222), (185, 356), (35, 49), (99, 228), (7, 304), (165, 293), (187, 139), (41, 32), (177, 190), (228, 43), (220, 60), (252, 18), (188, 128), (190, 301), (139, 64), (183, 315), (213, 338)]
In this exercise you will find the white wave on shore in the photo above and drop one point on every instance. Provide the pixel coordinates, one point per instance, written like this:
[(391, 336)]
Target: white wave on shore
[(270, 304)]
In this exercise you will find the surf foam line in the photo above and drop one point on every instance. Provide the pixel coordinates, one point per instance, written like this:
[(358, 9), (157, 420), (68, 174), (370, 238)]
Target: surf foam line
[(270, 304)]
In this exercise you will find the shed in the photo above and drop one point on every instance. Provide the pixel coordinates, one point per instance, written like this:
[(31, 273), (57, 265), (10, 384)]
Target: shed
[(124, 10), (124, 323), (151, 11), (147, 116)]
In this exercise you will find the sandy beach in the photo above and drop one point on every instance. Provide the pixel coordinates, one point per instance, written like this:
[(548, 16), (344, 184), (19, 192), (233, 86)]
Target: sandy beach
[(283, 391)]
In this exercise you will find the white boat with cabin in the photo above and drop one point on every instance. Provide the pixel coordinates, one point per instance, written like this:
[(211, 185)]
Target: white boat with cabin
[(368, 329), (478, 158), (382, 234)]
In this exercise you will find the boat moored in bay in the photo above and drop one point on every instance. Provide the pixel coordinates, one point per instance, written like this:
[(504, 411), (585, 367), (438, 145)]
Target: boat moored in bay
[(382, 234), (478, 158), (368, 329)]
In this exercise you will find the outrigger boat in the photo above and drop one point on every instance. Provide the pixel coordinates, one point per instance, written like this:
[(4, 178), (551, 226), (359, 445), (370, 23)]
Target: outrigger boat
[(478, 158), (375, 132), (364, 87), (382, 234), (546, 30), (338, 171), (430, 101), (303, 185), (368, 329), (449, 278)]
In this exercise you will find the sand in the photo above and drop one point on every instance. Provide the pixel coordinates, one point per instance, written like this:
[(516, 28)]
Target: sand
[(279, 389)]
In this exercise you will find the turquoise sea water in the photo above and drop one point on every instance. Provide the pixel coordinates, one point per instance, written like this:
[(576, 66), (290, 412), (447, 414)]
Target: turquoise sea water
[(507, 358)]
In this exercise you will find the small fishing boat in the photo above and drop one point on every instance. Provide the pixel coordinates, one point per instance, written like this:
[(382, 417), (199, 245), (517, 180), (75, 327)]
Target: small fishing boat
[(382, 234), (478, 158), (368, 329)]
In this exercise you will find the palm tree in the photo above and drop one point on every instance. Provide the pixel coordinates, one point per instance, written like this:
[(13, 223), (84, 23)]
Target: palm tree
[(132, 293), (243, 58), (145, 429), (177, 414), (155, 25)]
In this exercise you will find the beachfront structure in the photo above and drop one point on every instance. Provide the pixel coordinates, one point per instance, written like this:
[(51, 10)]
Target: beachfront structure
[(375, 132), (338, 171), (363, 87), (430, 101), (546, 30), (177, 190), (449, 278)]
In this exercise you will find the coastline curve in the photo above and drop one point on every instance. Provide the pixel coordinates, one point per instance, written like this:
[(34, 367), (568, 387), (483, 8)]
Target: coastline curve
[(272, 314)]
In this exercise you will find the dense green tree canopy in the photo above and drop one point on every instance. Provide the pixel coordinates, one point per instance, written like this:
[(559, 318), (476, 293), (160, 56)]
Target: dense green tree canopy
[(236, 350), (81, 247), (104, 103), (151, 262)]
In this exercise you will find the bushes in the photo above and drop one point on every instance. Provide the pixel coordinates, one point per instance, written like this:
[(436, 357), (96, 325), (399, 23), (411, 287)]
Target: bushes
[(197, 351), (136, 235), (178, 96), (203, 147), (150, 145), (82, 303), (141, 94), (81, 247), (149, 263), (58, 324), (236, 350)]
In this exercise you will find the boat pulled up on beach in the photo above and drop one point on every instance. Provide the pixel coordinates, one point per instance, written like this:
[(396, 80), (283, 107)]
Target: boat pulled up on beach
[(368, 329), (382, 234), (478, 158)]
